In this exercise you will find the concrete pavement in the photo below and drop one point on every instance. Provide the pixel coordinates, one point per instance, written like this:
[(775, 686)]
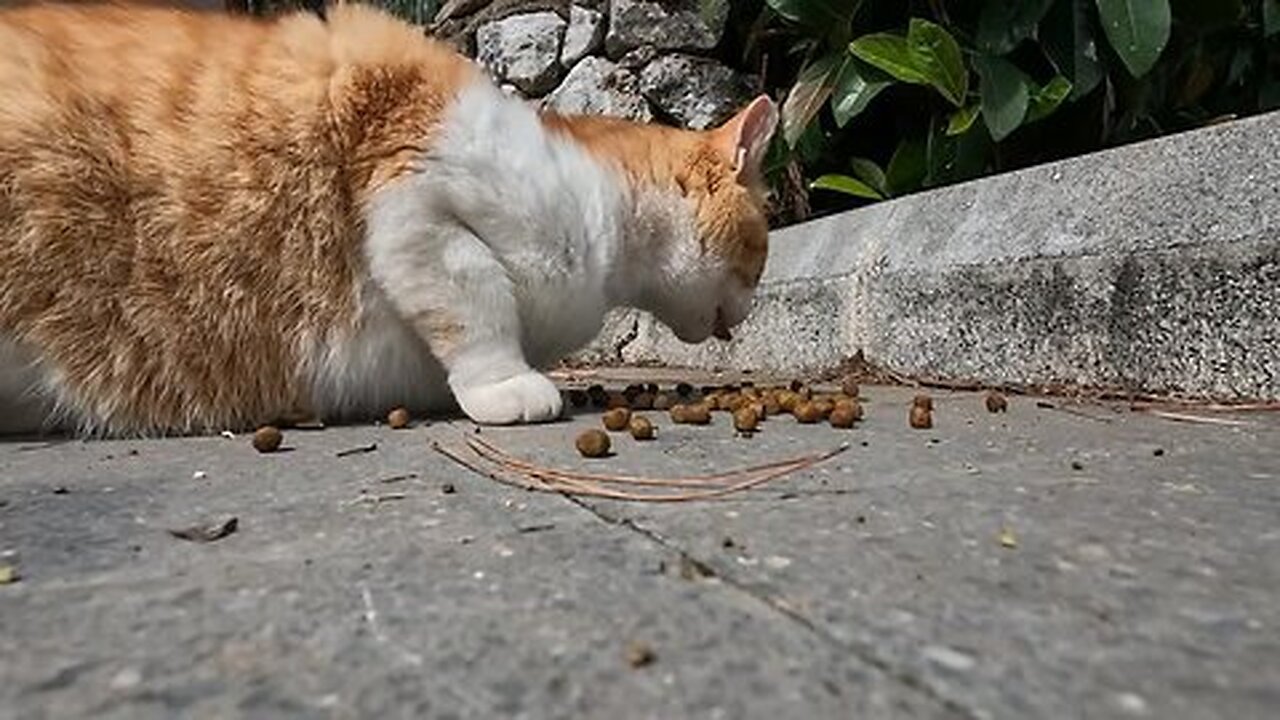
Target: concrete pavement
[(1074, 561)]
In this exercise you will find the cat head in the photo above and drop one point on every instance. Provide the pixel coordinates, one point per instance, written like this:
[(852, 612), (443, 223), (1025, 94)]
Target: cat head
[(696, 231)]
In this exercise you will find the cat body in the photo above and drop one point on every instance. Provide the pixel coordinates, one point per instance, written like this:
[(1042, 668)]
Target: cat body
[(210, 222)]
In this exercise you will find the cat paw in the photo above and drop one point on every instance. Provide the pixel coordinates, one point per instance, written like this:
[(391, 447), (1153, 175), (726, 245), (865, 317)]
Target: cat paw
[(527, 397)]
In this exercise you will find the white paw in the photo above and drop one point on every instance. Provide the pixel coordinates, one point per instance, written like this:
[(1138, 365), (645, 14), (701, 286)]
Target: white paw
[(527, 397)]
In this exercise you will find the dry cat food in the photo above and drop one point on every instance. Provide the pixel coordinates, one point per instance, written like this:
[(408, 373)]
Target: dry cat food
[(398, 419), (641, 428), (997, 402), (922, 401), (845, 415), (849, 386), (921, 417), (696, 414), (807, 412), (593, 443), (617, 419), (746, 420), (267, 439)]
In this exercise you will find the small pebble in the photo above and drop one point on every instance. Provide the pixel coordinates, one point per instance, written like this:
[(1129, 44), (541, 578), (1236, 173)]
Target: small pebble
[(920, 418)]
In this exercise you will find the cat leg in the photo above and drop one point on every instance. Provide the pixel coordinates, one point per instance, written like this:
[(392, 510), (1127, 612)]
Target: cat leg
[(447, 284)]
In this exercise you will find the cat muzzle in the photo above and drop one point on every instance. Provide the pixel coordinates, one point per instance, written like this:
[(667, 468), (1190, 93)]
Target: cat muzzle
[(721, 328)]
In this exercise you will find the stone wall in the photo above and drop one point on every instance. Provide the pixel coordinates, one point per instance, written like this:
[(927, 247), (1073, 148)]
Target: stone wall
[(638, 59)]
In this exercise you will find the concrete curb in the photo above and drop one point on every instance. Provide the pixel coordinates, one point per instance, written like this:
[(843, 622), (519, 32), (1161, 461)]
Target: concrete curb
[(1153, 267)]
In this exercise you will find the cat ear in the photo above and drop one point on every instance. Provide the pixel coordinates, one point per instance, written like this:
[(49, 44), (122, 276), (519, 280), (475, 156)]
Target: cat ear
[(745, 137)]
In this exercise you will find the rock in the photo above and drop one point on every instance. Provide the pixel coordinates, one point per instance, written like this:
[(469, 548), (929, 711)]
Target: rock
[(523, 50), (584, 35), (596, 86), (697, 92), (665, 24)]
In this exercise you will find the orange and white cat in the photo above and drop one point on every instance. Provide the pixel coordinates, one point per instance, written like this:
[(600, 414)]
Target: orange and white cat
[(210, 222)]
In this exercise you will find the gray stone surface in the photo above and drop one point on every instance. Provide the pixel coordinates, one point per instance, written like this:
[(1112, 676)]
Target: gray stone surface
[(873, 586), (523, 50), (596, 86), (696, 92), (584, 35), (1151, 267), (664, 24)]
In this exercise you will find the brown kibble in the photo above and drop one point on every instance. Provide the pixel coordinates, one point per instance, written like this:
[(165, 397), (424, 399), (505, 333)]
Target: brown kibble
[(996, 402), (788, 400), (849, 386), (851, 406), (921, 418), (923, 401), (825, 405), (593, 443), (745, 420), (617, 419), (807, 413), (842, 416), (663, 401), (696, 414), (398, 419), (616, 400), (640, 654), (641, 428), (733, 402), (267, 439), (642, 401), (771, 404)]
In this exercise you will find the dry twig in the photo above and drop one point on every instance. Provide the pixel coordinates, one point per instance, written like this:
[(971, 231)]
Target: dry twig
[(510, 470)]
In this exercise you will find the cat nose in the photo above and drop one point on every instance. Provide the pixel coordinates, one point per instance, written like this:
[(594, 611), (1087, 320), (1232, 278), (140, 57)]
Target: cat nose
[(721, 328)]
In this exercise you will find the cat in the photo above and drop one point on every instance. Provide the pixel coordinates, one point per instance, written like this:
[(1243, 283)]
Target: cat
[(209, 222)]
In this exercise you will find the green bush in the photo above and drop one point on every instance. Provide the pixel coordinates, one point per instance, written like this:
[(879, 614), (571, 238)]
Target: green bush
[(886, 97)]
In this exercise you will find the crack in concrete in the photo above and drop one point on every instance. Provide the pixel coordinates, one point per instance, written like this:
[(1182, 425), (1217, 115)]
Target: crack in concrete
[(859, 650)]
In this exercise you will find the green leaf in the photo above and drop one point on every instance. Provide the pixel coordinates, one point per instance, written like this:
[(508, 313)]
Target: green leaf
[(1138, 30), (1005, 95), (889, 53), (856, 86), (1003, 24), (818, 14), (962, 119), (928, 55), (1068, 38), (938, 55), (806, 97), (870, 173), (846, 185), (1270, 17), (1046, 99), (908, 167)]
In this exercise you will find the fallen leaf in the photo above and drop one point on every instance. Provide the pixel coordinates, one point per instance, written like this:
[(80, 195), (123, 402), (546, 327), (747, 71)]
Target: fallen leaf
[(208, 532)]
